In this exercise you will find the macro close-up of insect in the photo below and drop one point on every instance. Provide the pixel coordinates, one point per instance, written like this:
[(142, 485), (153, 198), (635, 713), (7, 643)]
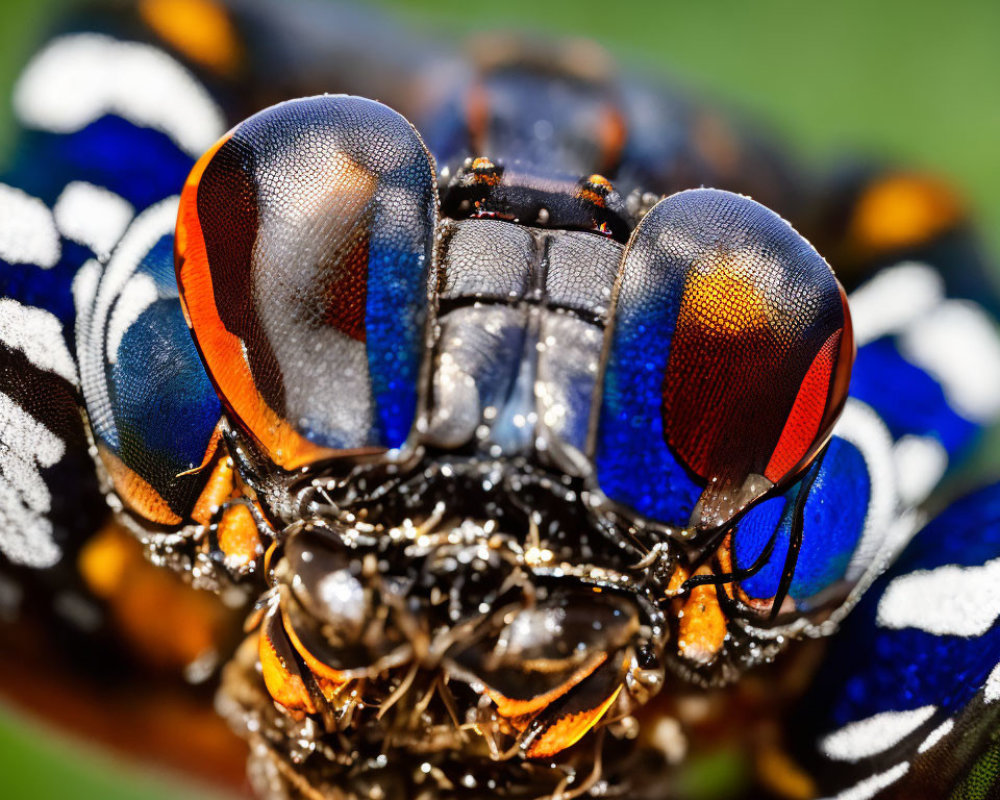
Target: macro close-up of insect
[(391, 414)]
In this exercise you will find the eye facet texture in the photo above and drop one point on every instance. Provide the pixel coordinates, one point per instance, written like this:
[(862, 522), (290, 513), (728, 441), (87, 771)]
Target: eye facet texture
[(814, 541), (304, 242), (152, 410), (728, 360)]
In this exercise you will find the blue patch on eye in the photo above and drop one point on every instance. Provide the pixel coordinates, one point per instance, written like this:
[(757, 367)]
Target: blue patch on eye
[(140, 164), (396, 310), (635, 466), (881, 376), (164, 402), (394, 325), (159, 265), (165, 408), (833, 519), (395, 314), (753, 534)]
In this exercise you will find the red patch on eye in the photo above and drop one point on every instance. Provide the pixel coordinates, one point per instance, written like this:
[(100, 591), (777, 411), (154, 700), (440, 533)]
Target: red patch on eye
[(803, 424), (727, 345), (346, 295)]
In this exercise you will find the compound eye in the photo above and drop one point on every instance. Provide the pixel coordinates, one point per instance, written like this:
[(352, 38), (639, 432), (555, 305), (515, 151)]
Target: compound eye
[(727, 365), (802, 551), (304, 242)]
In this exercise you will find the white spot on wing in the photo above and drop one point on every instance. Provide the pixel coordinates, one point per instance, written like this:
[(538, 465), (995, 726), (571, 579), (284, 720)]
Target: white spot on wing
[(947, 601), (138, 295), (936, 735), (958, 345), (921, 462), (991, 691), (26, 447), (894, 299), (38, 334), (876, 734), (77, 79), (870, 787), (27, 231), (92, 216)]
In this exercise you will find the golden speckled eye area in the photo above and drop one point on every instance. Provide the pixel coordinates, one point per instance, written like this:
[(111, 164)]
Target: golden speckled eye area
[(728, 361)]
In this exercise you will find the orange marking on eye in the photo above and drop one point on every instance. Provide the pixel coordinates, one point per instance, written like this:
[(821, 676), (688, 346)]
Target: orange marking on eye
[(737, 363), (569, 730), (287, 688), (238, 536), (511, 708), (902, 211), (724, 339), (136, 492), (701, 629), (234, 383), (200, 29), (723, 300), (836, 394)]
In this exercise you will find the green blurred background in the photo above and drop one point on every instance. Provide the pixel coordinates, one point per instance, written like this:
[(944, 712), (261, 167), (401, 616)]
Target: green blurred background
[(917, 82)]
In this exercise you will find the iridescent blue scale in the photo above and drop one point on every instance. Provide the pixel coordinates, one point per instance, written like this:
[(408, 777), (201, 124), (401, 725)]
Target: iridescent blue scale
[(140, 164), (831, 520), (882, 374), (922, 647)]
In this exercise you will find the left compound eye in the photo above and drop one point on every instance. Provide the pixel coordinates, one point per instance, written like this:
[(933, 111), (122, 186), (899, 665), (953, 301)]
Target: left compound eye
[(727, 365), (304, 241)]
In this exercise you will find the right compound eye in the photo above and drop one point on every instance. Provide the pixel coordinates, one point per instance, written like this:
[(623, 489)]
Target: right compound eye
[(728, 361)]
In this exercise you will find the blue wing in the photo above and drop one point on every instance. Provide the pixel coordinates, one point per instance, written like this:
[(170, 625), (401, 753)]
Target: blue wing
[(906, 702), (88, 301)]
